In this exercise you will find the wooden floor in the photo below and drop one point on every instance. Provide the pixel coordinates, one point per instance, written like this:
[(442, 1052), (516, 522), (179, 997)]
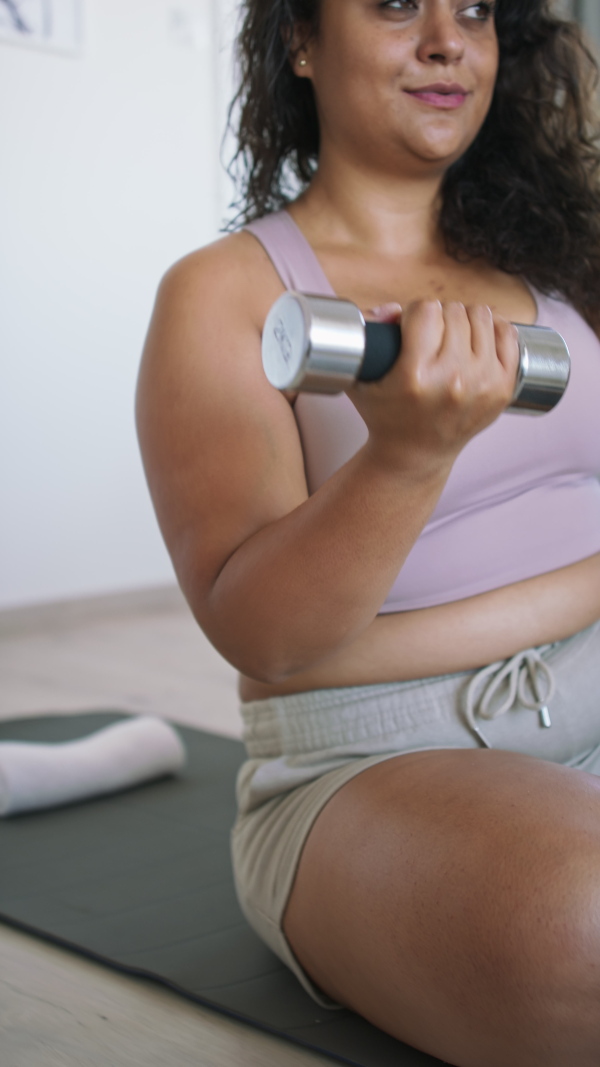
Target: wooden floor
[(138, 652)]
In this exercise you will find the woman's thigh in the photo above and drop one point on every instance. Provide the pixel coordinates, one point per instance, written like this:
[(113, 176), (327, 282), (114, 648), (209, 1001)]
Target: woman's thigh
[(452, 897)]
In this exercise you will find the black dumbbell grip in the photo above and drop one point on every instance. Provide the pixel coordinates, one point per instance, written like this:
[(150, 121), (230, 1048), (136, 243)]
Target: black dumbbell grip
[(382, 348)]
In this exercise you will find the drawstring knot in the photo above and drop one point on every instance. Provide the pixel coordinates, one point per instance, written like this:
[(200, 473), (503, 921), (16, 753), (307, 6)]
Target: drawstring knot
[(526, 677)]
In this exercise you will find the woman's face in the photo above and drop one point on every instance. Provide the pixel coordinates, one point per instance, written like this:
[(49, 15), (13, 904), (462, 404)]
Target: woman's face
[(407, 80)]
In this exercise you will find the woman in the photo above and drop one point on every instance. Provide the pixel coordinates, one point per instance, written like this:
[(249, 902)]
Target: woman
[(388, 567)]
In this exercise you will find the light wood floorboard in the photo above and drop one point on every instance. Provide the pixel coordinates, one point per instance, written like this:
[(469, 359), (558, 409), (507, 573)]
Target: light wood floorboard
[(139, 652), (60, 1010)]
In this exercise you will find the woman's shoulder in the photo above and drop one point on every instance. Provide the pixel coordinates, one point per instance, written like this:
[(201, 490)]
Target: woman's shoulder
[(222, 263), (231, 278)]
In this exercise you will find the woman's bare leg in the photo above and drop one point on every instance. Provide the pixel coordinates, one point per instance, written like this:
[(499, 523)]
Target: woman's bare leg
[(453, 899)]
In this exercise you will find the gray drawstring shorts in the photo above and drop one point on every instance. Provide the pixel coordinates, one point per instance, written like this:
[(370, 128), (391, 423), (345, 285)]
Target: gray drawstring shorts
[(544, 702)]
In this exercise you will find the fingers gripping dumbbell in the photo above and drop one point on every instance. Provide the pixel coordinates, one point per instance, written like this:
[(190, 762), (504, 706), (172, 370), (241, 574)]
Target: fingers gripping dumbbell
[(320, 344)]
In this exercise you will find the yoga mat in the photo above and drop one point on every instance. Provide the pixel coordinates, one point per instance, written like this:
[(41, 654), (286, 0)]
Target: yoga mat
[(141, 880)]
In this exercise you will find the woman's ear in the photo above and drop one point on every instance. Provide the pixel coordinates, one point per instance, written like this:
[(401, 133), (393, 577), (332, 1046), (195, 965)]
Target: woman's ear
[(299, 50)]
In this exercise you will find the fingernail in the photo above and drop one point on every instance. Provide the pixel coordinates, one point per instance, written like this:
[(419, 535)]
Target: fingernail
[(385, 308)]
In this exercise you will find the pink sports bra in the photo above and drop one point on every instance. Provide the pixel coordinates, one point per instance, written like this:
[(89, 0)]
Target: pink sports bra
[(523, 497)]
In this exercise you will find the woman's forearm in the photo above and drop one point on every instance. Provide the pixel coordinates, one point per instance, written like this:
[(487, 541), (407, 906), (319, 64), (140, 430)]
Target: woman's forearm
[(303, 587)]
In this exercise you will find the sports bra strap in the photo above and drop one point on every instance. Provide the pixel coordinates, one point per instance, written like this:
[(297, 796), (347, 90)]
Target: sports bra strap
[(290, 254)]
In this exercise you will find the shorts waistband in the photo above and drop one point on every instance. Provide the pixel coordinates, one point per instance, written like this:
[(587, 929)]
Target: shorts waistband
[(327, 719)]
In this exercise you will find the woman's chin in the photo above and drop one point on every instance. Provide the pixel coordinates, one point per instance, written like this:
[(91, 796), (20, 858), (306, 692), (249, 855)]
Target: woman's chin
[(442, 141), (438, 151)]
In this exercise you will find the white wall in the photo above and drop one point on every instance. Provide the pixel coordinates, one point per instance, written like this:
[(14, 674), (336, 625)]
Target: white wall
[(109, 173), (589, 13)]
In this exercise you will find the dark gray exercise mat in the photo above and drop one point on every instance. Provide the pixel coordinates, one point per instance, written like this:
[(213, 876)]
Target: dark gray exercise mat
[(142, 881)]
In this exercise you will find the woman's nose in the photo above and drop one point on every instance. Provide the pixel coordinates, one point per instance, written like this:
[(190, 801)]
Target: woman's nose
[(440, 37)]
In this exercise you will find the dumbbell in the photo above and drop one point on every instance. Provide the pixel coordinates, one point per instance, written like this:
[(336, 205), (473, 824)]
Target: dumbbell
[(320, 344)]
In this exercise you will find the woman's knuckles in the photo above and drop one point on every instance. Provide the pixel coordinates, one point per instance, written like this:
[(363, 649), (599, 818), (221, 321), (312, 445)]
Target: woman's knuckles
[(423, 330), (450, 382)]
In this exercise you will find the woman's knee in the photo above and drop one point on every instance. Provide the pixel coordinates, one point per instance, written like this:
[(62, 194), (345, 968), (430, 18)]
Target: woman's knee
[(554, 959), (483, 920)]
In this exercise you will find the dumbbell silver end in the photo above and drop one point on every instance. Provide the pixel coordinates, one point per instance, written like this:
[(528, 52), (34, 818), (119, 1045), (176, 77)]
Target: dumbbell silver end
[(316, 343), (544, 370)]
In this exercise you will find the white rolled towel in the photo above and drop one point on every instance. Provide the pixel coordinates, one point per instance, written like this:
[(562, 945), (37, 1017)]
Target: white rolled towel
[(117, 757)]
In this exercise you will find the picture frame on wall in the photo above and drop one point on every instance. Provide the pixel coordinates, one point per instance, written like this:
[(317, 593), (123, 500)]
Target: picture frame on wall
[(53, 25)]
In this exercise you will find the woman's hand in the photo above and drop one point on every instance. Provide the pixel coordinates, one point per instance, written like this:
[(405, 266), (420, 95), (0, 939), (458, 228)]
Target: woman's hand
[(455, 375)]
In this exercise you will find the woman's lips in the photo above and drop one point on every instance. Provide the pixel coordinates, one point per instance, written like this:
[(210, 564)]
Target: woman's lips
[(447, 99)]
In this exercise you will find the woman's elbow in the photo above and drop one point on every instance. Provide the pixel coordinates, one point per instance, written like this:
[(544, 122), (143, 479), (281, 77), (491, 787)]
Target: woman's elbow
[(252, 650)]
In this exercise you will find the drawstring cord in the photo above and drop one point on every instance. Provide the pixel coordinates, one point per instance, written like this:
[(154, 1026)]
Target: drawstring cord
[(526, 676)]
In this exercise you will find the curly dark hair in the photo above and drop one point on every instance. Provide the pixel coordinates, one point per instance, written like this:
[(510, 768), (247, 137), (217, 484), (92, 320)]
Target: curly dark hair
[(525, 195)]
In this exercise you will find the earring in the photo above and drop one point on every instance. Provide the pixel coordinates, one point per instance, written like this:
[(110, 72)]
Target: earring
[(302, 63)]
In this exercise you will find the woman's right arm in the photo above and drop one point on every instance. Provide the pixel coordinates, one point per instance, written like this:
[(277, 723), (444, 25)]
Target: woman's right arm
[(277, 579)]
